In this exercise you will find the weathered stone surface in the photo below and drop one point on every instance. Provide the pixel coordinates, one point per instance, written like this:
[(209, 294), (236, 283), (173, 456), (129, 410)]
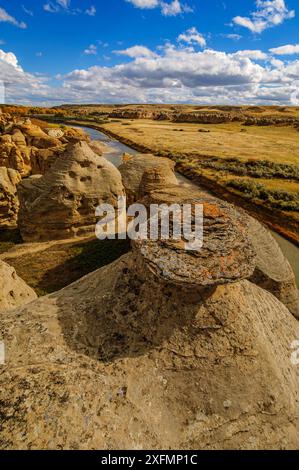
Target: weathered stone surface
[(97, 147), (117, 362), (226, 255), (73, 135), (30, 149), (36, 137), (14, 292), (159, 171), (17, 147), (6, 122), (15, 156), (9, 203), (203, 118), (273, 271), (43, 159), (62, 203), (53, 132)]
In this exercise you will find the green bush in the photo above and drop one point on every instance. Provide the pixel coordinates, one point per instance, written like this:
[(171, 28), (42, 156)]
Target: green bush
[(253, 168), (278, 199)]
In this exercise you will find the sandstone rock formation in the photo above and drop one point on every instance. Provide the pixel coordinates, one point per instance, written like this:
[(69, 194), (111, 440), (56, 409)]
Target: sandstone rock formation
[(14, 292), (273, 271), (141, 173), (54, 132), (204, 118), (73, 135), (97, 147), (36, 137), (9, 203), (43, 159), (62, 203), (14, 152), (226, 255), (29, 149), (134, 356), (6, 122)]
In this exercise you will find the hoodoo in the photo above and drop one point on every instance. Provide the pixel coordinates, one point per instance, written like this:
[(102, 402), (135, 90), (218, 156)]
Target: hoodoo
[(62, 203), (161, 349)]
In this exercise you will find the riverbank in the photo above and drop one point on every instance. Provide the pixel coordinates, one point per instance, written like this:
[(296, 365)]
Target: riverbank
[(277, 221)]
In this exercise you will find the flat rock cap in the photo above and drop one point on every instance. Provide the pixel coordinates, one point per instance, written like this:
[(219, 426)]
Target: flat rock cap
[(226, 255)]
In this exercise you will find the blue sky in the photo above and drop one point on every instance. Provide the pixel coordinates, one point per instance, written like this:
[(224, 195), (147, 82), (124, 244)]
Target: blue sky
[(197, 51)]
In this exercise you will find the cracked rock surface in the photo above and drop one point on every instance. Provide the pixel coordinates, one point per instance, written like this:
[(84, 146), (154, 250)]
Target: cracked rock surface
[(62, 203), (126, 358)]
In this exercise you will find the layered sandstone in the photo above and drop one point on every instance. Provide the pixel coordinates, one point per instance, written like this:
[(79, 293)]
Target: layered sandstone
[(62, 203), (14, 292), (273, 271), (14, 152), (145, 353), (9, 203), (29, 149), (141, 173)]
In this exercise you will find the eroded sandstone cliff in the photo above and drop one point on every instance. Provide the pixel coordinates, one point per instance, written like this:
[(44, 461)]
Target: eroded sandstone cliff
[(62, 203), (161, 349), (14, 292)]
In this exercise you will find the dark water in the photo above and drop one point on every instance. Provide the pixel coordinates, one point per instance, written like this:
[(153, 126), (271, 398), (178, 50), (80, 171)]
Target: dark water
[(115, 156)]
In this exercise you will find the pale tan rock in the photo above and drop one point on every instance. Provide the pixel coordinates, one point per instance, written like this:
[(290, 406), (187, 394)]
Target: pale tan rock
[(15, 157), (5, 139), (36, 137), (117, 362), (226, 254), (273, 271), (62, 203), (73, 135), (97, 147), (18, 138), (9, 203), (53, 132), (156, 171), (14, 292), (43, 159)]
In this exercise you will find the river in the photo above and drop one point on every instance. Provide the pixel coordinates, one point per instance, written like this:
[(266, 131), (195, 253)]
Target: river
[(115, 156)]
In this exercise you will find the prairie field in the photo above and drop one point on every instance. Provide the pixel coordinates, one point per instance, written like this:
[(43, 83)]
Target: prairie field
[(258, 163), (250, 153), (276, 144)]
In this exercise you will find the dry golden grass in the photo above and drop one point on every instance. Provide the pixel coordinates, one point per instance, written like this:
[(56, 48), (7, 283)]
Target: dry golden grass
[(188, 143), (277, 144)]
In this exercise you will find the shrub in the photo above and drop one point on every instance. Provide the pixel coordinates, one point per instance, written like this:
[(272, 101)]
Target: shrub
[(253, 168), (278, 199)]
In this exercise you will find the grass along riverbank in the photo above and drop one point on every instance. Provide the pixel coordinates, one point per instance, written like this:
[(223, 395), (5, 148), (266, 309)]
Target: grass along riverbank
[(255, 167)]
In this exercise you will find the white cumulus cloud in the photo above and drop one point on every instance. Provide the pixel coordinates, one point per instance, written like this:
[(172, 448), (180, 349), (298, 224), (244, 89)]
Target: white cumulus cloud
[(91, 50), (168, 8), (173, 74), (192, 36), (57, 6), (268, 13), (136, 51), (7, 18), (288, 49)]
